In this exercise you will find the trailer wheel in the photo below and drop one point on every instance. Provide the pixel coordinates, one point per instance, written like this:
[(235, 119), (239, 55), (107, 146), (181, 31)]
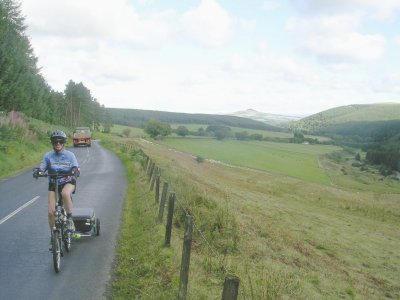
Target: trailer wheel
[(97, 226)]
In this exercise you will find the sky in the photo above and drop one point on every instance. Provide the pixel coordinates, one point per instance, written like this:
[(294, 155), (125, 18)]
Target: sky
[(288, 57)]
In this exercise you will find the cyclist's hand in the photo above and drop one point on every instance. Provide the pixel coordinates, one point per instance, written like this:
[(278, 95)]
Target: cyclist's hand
[(76, 171), (37, 173)]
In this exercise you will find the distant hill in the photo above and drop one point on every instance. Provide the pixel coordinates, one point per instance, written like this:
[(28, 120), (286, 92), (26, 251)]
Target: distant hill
[(272, 119), (138, 117), (358, 113)]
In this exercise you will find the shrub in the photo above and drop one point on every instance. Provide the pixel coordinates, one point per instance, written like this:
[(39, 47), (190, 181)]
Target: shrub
[(199, 159)]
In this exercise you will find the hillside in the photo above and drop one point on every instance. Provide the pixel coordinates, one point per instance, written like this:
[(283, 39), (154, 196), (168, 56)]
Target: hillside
[(138, 117), (272, 119), (348, 114)]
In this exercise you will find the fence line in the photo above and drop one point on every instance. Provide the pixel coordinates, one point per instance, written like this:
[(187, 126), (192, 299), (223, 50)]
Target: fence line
[(231, 284)]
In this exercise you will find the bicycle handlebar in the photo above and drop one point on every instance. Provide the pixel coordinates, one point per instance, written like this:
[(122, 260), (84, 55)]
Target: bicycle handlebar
[(39, 173)]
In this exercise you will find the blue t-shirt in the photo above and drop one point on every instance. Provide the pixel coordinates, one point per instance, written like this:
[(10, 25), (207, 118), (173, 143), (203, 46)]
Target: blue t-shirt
[(63, 161)]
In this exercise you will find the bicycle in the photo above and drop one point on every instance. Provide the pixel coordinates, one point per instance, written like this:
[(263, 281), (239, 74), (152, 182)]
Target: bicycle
[(61, 237)]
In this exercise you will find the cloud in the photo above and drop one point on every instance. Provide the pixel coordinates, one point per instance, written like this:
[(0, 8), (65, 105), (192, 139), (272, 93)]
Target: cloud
[(208, 24), (335, 39), (91, 19), (271, 66), (246, 24), (270, 5), (346, 47), (381, 9), (389, 84)]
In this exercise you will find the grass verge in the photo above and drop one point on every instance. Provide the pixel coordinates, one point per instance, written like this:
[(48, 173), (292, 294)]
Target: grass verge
[(144, 268)]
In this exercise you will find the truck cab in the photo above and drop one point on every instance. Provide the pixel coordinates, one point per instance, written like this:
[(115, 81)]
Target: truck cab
[(82, 136)]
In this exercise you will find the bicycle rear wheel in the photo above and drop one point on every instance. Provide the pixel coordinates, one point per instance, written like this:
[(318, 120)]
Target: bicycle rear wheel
[(56, 251)]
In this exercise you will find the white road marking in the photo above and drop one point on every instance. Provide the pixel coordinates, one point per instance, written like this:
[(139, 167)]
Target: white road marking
[(18, 210)]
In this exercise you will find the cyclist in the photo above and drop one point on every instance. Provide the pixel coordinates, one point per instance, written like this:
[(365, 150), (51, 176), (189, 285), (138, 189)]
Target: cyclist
[(60, 160)]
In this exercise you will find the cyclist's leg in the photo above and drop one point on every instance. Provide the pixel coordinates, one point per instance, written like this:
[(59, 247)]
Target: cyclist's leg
[(66, 196), (51, 200)]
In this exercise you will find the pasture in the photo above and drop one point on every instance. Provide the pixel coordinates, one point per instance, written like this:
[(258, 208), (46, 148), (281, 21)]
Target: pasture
[(296, 160), (264, 133), (295, 238), (133, 131)]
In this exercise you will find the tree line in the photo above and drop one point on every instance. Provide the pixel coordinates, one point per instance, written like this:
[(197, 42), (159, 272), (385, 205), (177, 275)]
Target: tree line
[(139, 118), (380, 140), (24, 89)]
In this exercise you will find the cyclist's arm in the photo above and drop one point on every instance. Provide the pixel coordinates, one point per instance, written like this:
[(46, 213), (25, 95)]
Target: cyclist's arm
[(75, 165)]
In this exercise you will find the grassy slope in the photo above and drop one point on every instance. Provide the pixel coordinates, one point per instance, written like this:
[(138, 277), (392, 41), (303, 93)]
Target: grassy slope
[(25, 151), (297, 239), (350, 113)]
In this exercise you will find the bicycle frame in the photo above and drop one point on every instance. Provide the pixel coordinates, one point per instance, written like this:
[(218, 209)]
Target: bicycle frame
[(61, 238)]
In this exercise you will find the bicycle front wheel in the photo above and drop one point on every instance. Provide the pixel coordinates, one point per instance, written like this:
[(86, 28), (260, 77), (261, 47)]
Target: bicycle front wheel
[(67, 240), (56, 251)]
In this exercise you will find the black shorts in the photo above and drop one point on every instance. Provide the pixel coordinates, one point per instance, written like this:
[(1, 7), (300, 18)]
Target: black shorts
[(52, 186)]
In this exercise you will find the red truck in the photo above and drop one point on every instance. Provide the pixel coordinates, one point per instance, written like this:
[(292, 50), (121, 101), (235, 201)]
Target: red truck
[(82, 136)]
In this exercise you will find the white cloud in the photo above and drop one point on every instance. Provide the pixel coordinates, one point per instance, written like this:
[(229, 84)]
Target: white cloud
[(246, 24), (271, 66), (270, 5), (346, 47), (143, 2), (335, 39), (236, 62), (381, 9), (208, 24), (118, 22), (389, 84)]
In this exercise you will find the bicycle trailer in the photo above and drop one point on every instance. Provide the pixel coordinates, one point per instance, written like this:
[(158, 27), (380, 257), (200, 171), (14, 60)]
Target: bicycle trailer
[(85, 221)]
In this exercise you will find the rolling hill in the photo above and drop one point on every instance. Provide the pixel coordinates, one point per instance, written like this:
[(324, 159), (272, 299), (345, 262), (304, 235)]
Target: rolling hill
[(272, 119), (351, 114)]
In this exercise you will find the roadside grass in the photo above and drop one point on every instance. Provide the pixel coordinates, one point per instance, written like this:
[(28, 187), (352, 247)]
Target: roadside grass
[(294, 160), (17, 156), (144, 269), (23, 146)]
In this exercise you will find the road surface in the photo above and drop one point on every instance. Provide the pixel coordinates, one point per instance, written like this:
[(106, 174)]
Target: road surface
[(26, 267)]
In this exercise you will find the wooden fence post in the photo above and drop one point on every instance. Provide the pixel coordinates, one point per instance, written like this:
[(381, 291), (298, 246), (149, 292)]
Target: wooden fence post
[(162, 202), (231, 287), (187, 245), (148, 166), (153, 165), (157, 194), (168, 229), (153, 179)]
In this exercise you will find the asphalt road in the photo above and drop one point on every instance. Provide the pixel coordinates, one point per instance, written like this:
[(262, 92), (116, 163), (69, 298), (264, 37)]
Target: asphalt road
[(26, 266)]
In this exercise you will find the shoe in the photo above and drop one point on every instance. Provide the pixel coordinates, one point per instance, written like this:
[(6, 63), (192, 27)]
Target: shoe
[(51, 244), (70, 225)]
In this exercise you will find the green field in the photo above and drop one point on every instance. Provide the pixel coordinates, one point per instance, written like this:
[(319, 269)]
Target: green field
[(284, 237), (264, 133), (133, 131), (294, 160)]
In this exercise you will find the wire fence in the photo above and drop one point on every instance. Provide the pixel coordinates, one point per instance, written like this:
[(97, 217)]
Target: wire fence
[(153, 172)]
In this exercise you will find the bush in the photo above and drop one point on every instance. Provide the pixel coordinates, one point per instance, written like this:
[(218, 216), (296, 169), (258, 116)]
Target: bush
[(356, 164), (199, 159)]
